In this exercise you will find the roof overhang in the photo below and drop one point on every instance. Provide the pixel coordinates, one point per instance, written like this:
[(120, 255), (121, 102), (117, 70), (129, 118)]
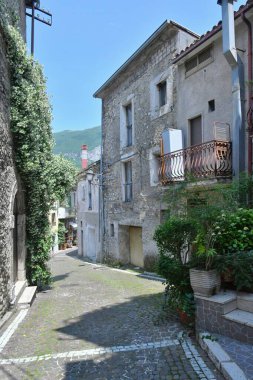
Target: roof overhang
[(166, 24), (209, 37)]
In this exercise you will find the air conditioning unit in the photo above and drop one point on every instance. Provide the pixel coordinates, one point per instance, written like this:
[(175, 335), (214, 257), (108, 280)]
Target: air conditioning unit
[(172, 165)]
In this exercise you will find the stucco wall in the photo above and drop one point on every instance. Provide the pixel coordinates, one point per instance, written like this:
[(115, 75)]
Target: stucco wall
[(9, 183), (213, 81)]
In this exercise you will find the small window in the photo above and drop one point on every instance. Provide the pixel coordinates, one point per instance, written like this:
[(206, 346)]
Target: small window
[(53, 219), (128, 181), (204, 55), (164, 215), (198, 60), (162, 89), (90, 195), (211, 105), (129, 124), (189, 65), (112, 230)]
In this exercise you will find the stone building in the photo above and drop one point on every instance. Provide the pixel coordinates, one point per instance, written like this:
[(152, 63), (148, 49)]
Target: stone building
[(138, 105), (12, 209), (88, 212)]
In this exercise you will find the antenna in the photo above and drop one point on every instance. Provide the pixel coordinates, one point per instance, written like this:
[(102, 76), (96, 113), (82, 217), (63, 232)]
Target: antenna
[(41, 15)]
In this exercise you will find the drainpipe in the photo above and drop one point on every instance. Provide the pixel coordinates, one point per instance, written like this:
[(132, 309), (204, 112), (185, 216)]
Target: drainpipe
[(250, 96), (230, 53), (101, 194)]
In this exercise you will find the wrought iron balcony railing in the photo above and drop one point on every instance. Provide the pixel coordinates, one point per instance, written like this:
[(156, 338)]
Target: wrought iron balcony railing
[(211, 159)]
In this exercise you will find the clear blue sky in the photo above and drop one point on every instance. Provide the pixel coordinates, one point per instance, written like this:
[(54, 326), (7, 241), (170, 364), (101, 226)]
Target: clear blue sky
[(90, 39)]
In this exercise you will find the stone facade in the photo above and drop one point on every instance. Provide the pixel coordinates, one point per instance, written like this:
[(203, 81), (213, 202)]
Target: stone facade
[(88, 214), (12, 209), (130, 219)]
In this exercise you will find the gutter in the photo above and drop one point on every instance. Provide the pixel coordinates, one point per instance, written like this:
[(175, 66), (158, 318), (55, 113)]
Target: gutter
[(230, 53)]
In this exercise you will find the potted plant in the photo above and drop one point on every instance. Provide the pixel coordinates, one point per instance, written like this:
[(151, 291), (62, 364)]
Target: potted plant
[(204, 278)]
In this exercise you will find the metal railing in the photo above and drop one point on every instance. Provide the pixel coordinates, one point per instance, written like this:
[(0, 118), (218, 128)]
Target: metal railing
[(211, 159)]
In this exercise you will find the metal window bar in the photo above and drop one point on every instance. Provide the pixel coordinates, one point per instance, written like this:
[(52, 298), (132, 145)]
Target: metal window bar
[(212, 159)]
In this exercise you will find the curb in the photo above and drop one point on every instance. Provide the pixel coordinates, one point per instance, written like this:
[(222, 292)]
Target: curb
[(221, 359)]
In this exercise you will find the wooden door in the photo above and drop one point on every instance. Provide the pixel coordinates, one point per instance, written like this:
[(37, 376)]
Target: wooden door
[(136, 249)]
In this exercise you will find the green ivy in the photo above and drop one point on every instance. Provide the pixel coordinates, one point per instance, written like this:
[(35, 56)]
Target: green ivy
[(45, 177)]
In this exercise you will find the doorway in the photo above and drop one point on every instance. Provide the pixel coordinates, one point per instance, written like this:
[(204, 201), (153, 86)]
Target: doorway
[(196, 131), (136, 249)]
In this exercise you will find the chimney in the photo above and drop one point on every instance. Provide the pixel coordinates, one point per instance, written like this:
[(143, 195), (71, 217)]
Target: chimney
[(84, 156)]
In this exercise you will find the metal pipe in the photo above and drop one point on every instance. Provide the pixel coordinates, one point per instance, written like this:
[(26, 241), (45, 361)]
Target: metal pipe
[(32, 32), (250, 96), (230, 53)]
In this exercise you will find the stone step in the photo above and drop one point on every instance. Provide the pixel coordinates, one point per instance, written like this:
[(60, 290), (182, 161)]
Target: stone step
[(27, 297), (245, 301), (240, 316), (226, 300), (19, 288)]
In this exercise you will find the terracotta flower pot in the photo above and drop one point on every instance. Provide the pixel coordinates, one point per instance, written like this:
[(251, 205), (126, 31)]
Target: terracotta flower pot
[(205, 283)]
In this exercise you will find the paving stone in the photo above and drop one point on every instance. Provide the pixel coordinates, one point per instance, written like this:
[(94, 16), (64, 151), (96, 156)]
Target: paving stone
[(100, 325)]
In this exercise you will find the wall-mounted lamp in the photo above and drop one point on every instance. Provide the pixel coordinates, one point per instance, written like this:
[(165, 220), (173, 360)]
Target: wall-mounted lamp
[(90, 175)]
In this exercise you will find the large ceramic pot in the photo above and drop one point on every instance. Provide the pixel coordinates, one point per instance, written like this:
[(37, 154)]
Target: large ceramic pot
[(205, 283)]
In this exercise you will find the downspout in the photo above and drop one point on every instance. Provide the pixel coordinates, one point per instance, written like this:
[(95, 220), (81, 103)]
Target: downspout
[(230, 53), (250, 96), (101, 195)]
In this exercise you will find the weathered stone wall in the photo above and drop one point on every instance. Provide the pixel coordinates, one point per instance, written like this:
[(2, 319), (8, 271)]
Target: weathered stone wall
[(138, 84), (9, 183)]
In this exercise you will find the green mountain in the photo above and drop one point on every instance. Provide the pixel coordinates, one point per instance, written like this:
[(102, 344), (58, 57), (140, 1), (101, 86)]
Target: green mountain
[(68, 143)]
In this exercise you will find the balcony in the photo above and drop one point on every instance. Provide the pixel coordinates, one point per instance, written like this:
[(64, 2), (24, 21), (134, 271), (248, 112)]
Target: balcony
[(212, 159)]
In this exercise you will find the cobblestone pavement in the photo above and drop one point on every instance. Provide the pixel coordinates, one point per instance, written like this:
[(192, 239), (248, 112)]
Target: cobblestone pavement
[(97, 323), (241, 353)]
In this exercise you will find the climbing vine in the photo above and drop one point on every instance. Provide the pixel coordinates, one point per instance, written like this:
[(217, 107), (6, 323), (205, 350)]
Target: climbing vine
[(45, 177)]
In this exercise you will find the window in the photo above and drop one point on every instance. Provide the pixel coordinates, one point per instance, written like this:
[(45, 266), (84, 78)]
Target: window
[(90, 195), (112, 230), (128, 181), (211, 105), (198, 60), (162, 89), (83, 193), (129, 124)]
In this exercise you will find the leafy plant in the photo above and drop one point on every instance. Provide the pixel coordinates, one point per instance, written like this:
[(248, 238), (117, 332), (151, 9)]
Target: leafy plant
[(234, 231), (61, 233), (240, 266), (44, 177), (174, 237)]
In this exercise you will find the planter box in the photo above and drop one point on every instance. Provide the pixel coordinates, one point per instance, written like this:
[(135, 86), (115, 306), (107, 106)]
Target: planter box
[(205, 283)]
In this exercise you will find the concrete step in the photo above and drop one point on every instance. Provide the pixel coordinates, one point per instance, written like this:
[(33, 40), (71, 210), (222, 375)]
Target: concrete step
[(245, 301), (240, 316), (19, 288), (27, 297)]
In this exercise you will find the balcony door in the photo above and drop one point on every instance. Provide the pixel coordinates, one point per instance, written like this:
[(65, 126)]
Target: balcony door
[(196, 131), (195, 164)]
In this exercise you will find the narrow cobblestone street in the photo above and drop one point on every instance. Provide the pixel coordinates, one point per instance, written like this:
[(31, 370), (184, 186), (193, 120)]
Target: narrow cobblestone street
[(98, 323)]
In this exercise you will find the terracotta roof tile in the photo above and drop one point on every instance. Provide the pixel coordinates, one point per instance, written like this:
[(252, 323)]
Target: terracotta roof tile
[(215, 29)]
